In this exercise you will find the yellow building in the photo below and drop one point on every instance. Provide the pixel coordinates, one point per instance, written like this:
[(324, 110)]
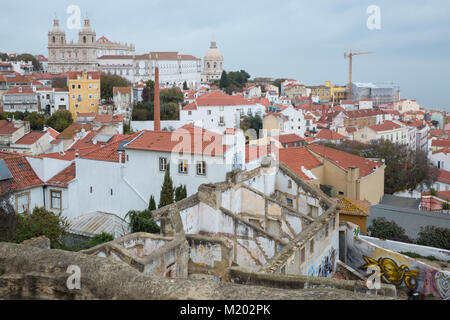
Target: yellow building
[(329, 92), (84, 92)]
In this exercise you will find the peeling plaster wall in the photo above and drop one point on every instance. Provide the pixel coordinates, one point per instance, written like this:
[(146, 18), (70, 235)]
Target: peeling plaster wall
[(398, 269)]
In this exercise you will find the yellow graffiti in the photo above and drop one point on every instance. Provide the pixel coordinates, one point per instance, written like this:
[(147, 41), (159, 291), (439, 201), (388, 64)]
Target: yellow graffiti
[(392, 273)]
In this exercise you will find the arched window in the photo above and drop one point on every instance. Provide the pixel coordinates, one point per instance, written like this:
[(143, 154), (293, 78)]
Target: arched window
[(62, 39), (215, 65), (208, 65), (84, 39), (53, 39)]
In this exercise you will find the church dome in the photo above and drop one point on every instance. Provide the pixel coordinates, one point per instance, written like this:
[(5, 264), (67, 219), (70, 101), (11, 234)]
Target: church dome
[(213, 53)]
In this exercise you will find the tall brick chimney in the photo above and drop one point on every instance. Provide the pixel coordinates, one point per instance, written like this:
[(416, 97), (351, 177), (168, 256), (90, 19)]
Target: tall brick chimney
[(157, 112)]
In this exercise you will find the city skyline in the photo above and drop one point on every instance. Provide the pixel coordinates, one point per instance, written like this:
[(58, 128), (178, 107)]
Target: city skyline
[(307, 42)]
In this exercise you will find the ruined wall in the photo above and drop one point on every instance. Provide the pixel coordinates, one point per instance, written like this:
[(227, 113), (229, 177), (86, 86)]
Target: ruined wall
[(397, 269)]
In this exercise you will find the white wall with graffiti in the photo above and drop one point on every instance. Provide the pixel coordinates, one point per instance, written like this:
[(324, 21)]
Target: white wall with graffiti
[(394, 267)]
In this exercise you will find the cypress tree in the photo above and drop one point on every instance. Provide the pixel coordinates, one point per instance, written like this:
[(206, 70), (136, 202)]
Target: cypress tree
[(185, 86), (224, 82), (152, 203), (166, 196)]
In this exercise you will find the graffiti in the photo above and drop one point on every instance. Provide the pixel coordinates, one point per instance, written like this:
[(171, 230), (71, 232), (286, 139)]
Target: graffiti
[(356, 231), (392, 273), (326, 268), (441, 281)]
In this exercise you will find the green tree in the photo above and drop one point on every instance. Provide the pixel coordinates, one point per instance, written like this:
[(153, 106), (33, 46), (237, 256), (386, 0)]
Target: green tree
[(36, 120), (180, 193), (152, 204), (99, 239), (167, 195), (435, 123), (384, 229), (185, 86), (434, 237), (224, 82), (148, 92), (37, 67), (108, 82), (41, 222), (253, 122), (142, 221), (60, 120)]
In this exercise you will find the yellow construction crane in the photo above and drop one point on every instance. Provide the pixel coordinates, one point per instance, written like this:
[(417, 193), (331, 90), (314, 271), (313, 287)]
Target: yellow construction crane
[(350, 56)]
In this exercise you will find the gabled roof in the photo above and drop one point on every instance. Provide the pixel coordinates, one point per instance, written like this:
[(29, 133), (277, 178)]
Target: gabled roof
[(31, 138), (23, 175), (123, 90), (327, 134), (189, 140), (110, 152), (53, 133), (71, 130), (20, 90), (7, 127), (289, 138), (296, 158), (346, 160), (385, 126), (217, 99), (444, 176), (63, 178), (445, 143)]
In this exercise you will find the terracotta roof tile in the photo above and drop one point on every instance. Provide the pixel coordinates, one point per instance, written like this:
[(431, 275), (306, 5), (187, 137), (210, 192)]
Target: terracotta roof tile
[(327, 134), (64, 177), (346, 160), (31, 137), (385, 126), (289, 138), (296, 158), (23, 175)]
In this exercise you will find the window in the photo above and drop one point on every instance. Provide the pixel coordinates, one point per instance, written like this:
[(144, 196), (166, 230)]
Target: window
[(90, 190), (90, 86), (201, 168), (22, 202), (209, 112), (111, 191), (334, 223), (183, 166), (311, 246), (55, 199), (290, 202), (79, 86), (290, 184), (326, 230), (302, 255), (190, 113), (221, 108), (90, 96), (73, 86), (162, 164)]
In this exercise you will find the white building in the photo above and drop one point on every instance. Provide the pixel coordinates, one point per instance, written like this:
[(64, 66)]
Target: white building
[(219, 111), (53, 99), (212, 64), (123, 102), (174, 68), (20, 99), (252, 92), (34, 143)]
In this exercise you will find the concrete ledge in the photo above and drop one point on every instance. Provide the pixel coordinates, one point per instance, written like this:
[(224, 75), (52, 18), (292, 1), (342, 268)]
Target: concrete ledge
[(242, 276)]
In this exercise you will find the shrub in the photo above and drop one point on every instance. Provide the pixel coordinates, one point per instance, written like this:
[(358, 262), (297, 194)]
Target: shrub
[(434, 237), (41, 222), (384, 229), (99, 239), (142, 221)]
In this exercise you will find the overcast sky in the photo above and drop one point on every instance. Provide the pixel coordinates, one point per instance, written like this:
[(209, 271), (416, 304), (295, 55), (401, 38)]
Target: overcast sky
[(300, 39)]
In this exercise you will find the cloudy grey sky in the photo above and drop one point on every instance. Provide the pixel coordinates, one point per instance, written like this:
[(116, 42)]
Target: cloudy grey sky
[(302, 39)]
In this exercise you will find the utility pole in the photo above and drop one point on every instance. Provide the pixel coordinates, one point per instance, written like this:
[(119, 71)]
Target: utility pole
[(350, 57)]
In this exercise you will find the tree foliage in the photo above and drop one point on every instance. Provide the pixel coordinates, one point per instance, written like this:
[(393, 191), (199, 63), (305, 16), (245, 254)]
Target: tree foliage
[(185, 86), (252, 122), (60, 120), (384, 229), (59, 82), (142, 221), (99, 239), (41, 222), (405, 169), (167, 191), (108, 82), (434, 237), (169, 100), (180, 192), (233, 81), (152, 204), (37, 120)]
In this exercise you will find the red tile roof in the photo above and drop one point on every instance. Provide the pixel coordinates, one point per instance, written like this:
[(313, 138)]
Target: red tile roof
[(182, 140), (445, 143), (385, 126), (31, 138), (63, 178), (327, 134), (20, 90), (346, 160), (362, 113), (217, 99), (53, 133), (289, 138), (106, 118), (436, 132), (444, 176), (7, 127), (123, 90), (296, 158), (73, 75), (23, 175), (109, 151)]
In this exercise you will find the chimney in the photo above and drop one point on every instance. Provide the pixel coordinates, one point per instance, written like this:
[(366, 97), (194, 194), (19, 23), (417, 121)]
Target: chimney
[(324, 113), (157, 126)]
